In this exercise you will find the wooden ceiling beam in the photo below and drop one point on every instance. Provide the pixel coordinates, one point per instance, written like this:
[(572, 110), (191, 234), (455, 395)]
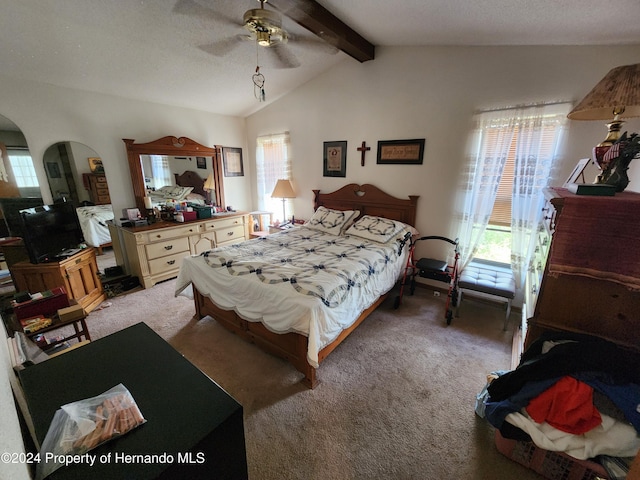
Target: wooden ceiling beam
[(320, 21)]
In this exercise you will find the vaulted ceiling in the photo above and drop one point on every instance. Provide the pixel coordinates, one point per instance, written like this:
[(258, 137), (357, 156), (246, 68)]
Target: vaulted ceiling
[(191, 53)]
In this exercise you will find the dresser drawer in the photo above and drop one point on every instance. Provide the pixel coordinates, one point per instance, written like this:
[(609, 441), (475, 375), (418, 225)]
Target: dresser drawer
[(221, 224), (229, 234), (102, 191), (169, 233), (168, 247), (167, 264)]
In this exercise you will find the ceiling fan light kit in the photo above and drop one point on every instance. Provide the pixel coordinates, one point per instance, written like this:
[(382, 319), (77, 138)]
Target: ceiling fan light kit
[(266, 25)]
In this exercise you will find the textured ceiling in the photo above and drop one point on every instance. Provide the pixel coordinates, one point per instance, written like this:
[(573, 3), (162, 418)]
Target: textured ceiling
[(185, 52)]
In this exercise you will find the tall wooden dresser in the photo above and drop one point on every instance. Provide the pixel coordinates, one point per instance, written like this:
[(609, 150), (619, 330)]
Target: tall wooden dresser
[(586, 276), (98, 188)]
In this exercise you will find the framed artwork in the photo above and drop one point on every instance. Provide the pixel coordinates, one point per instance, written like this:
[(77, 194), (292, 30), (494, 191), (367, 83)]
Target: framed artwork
[(578, 171), (53, 170), (232, 162), (401, 152), (335, 159), (201, 162), (95, 164)]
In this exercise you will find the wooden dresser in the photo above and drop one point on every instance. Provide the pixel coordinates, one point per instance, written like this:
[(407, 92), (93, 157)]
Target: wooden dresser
[(154, 252), (98, 188), (586, 274), (77, 274)]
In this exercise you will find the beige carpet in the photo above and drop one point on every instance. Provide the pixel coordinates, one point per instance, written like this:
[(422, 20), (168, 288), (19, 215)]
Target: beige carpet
[(396, 399)]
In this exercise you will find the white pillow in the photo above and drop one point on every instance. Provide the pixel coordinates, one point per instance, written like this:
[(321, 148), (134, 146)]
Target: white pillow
[(377, 229), (331, 221), (175, 192)]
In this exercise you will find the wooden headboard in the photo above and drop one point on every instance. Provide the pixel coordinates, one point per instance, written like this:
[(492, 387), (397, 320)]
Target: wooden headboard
[(370, 200), (191, 179)]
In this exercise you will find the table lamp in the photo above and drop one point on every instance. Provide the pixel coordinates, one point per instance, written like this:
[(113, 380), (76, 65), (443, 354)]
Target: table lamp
[(615, 97), (284, 190), (209, 186)]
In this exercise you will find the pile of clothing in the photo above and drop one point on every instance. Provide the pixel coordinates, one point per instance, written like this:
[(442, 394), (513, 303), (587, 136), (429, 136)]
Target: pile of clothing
[(570, 393)]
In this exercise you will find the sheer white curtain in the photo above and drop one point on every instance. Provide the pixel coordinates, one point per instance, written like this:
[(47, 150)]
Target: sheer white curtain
[(529, 136), (488, 151), (161, 171), (540, 131), (272, 163)]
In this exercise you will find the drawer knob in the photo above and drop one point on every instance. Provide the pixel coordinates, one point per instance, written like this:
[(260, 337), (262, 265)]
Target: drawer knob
[(171, 262), (230, 234), (168, 247)]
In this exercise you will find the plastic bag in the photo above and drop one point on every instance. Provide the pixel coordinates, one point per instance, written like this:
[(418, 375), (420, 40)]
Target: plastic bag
[(81, 426)]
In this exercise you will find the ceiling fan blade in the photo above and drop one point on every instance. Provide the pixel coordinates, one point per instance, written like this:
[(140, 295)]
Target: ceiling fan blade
[(284, 57), (224, 46), (193, 8)]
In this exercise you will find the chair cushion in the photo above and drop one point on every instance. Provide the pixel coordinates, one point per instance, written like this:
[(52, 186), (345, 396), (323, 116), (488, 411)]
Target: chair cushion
[(490, 279)]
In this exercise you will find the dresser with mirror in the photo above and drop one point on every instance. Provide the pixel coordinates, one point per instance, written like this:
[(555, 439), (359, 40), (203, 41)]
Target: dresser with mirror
[(153, 252)]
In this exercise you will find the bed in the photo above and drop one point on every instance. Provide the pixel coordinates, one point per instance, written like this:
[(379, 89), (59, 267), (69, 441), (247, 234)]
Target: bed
[(299, 293), (189, 187), (93, 222)]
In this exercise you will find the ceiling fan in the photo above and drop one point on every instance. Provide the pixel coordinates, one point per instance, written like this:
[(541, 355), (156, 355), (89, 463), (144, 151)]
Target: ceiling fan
[(265, 29)]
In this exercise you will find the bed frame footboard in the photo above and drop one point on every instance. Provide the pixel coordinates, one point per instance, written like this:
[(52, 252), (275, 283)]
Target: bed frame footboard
[(290, 346)]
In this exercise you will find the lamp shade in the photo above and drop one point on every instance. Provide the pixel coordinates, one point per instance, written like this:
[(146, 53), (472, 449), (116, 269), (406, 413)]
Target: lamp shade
[(283, 189), (618, 93), (209, 184)]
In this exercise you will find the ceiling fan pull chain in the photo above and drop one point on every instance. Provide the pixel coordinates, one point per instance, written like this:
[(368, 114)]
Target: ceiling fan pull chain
[(258, 85)]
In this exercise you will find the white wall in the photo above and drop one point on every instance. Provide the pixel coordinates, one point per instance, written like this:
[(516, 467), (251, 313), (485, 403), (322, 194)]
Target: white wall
[(431, 93), (11, 439), (47, 114)]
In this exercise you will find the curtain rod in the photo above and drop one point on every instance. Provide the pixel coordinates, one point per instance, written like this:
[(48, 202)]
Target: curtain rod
[(524, 105)]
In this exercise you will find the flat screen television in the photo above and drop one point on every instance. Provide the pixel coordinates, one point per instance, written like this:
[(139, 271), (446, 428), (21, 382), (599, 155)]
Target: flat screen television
[(51, 232)]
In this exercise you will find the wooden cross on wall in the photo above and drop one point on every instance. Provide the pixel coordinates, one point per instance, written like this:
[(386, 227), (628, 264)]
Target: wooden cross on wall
[(363, 150)]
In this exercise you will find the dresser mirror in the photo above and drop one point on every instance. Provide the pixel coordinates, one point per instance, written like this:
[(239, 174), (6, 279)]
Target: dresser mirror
[(181, 155)]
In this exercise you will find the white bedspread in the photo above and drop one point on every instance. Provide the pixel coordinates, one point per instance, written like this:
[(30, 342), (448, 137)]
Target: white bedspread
[(299, 280), (93, 221)]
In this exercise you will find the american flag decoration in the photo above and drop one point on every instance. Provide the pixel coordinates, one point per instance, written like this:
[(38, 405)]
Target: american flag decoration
[(611, 155)]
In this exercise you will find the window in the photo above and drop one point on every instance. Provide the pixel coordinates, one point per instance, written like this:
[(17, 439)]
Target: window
[(511, 155), (496, 241), (22, 166), (160, 170), (272, 163)]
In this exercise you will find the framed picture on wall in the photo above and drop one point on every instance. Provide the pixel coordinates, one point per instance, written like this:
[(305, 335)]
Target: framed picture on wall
[(95, 164), (201, 162), (53, 170), (335, 159), (232, 162), (401, 152)]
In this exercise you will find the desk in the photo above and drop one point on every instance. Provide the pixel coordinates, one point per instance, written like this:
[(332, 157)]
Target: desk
[(185, 410)]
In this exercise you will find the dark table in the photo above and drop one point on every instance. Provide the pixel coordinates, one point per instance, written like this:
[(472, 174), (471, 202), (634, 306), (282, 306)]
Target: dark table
[(190, 419)]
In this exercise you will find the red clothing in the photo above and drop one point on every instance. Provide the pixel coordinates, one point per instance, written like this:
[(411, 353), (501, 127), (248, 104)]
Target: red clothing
[(567, 406)]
